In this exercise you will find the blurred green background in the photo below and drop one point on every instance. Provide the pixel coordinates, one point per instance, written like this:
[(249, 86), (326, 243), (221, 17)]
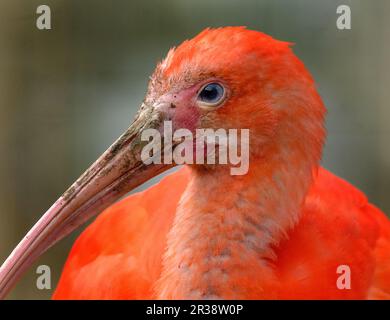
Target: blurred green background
[(67, 93)]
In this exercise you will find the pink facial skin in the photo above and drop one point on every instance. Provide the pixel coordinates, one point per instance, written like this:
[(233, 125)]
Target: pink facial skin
[(181, 108)]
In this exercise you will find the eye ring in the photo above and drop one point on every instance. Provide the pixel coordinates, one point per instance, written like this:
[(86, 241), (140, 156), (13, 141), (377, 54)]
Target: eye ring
[(211, 95)]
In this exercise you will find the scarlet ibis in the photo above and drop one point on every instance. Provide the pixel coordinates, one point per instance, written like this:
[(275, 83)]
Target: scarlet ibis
[(282, 230)]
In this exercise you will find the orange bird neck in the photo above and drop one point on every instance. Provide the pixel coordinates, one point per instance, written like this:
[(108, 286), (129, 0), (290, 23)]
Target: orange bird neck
[(225, 227)]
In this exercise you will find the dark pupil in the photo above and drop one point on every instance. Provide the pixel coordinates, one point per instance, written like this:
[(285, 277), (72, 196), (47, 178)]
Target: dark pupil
[(211, 93)]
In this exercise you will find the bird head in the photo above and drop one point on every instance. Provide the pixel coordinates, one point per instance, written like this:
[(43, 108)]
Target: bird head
[(235, 78), (229, 78)]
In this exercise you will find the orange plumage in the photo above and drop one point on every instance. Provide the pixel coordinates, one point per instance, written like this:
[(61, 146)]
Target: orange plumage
[(279, 232), (119, 256)]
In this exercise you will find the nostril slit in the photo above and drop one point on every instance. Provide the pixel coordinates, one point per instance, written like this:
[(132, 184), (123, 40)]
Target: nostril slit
[(173, 105)]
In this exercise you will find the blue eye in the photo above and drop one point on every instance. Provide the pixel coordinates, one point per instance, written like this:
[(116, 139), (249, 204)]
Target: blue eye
[(211, 94)]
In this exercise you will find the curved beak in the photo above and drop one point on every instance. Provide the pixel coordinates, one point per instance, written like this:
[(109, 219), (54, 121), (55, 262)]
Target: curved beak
[(118, 171)]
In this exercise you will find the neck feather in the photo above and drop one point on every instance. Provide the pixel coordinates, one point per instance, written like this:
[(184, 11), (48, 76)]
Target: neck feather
[(226, 226)]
